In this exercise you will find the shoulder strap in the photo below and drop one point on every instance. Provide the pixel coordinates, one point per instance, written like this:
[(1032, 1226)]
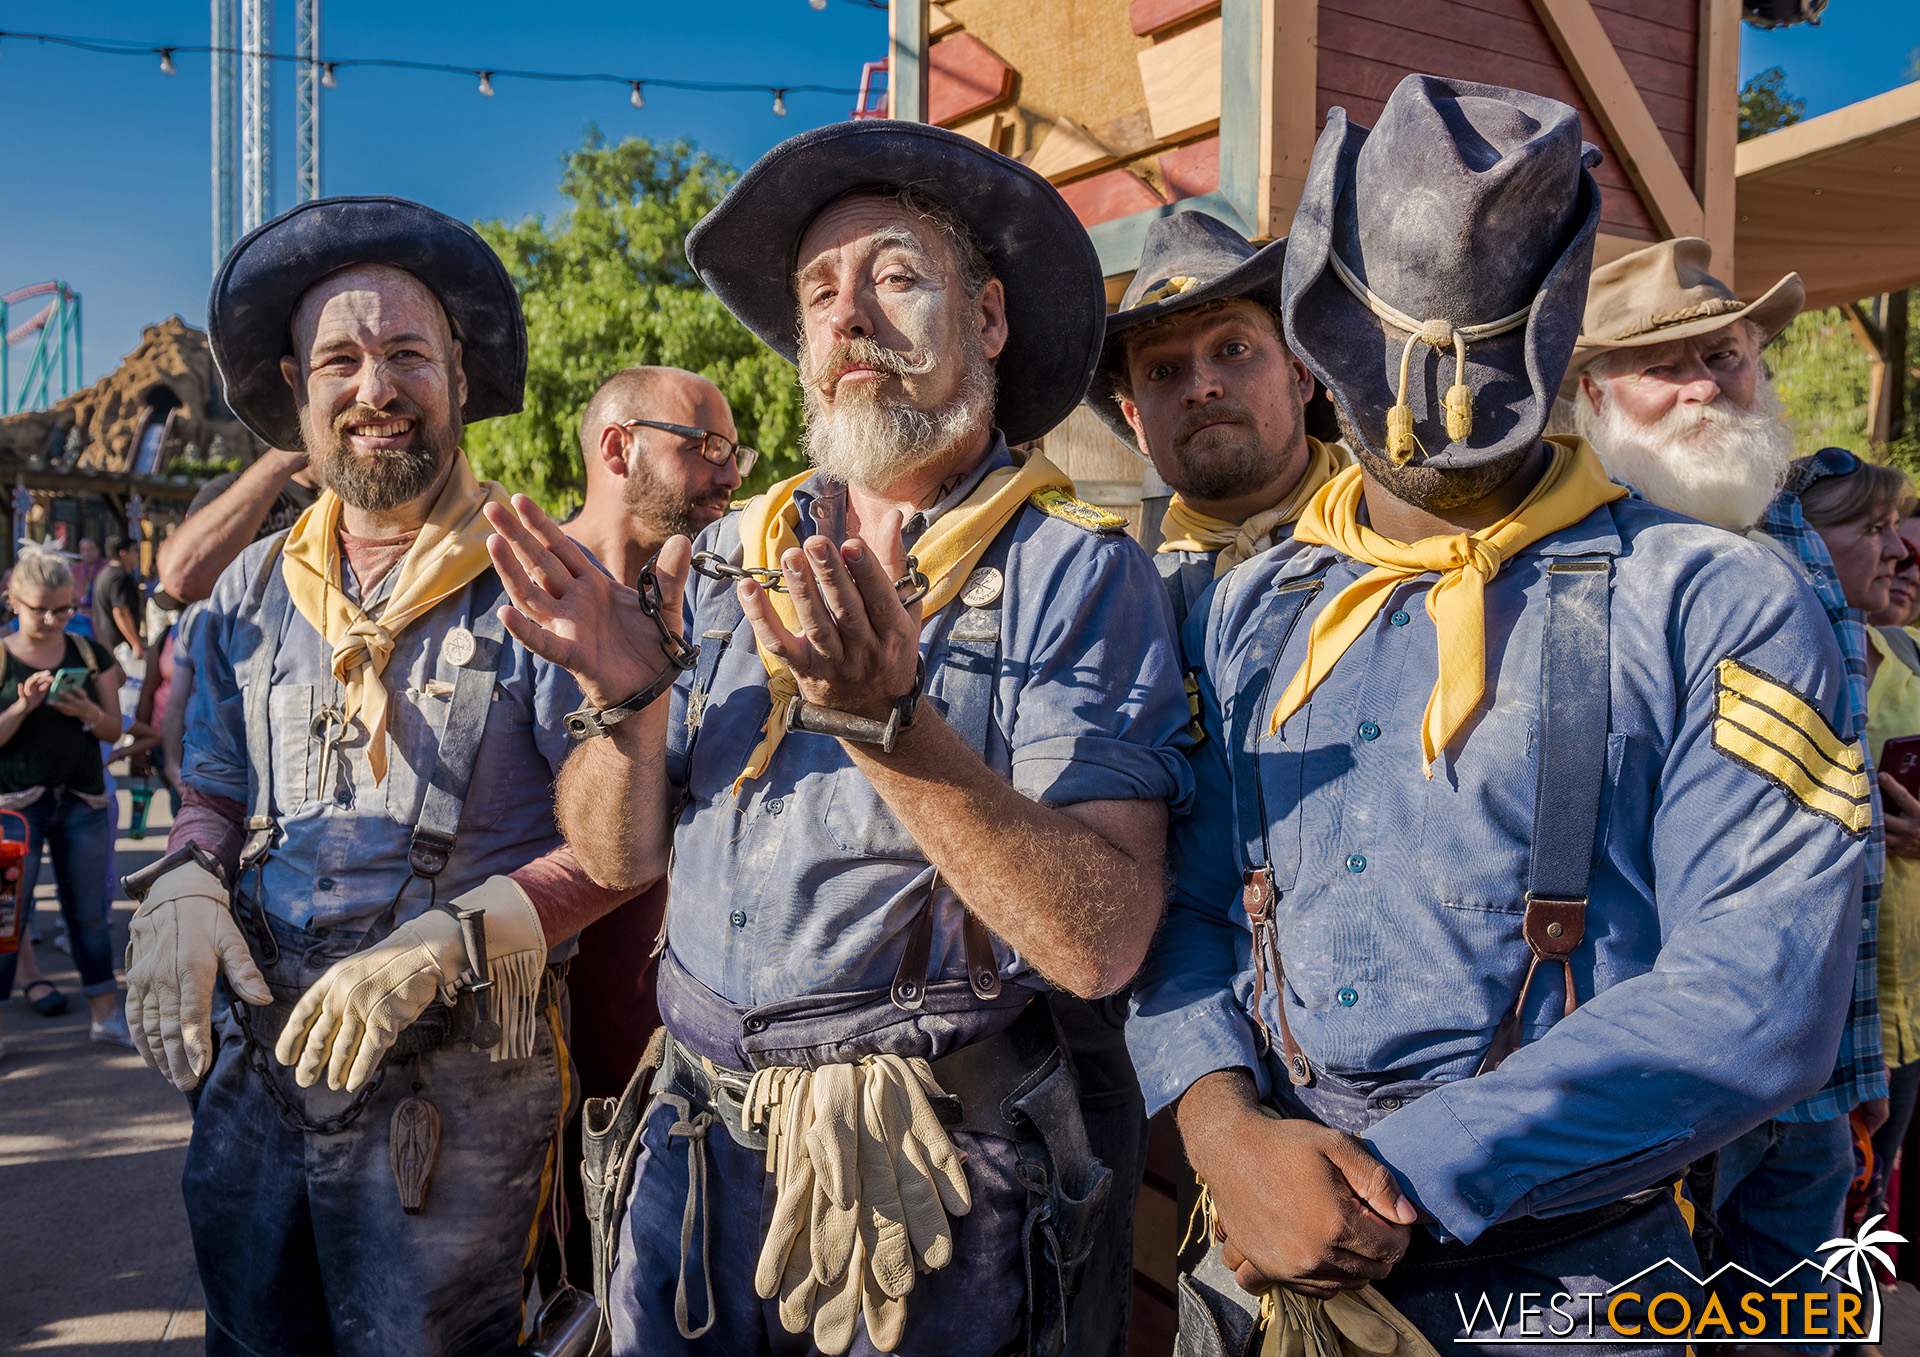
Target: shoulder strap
[(268, 600), (972, 661), (1900, 641), (439, 825), (87, 657), (1574, 710)]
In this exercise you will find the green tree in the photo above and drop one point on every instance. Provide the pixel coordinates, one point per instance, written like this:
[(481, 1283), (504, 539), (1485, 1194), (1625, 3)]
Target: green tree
[(1766, 104), (1822, 374), (608, 286)]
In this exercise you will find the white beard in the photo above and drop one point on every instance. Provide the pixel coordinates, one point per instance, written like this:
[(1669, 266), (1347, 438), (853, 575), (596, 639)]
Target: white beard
[(871, 439), (1714, 463)]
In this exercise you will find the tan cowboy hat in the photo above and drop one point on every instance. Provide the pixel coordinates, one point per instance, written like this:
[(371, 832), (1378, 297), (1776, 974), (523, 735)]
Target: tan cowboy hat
[(1664, 293)]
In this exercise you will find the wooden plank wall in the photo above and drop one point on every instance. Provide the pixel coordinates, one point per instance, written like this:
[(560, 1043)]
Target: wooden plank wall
[(1368, 46)]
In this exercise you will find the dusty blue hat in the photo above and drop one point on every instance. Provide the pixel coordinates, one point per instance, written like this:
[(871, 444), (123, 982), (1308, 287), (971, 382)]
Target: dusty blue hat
[(1188, 259), (1056, 297), (262, 279), (1467, 213)]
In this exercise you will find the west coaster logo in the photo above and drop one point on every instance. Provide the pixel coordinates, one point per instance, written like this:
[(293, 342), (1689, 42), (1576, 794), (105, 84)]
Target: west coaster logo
[(1835, 1302)]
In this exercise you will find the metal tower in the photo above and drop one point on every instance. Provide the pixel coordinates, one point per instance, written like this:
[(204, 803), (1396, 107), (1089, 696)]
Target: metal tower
[(256, 113), (56, 353), (226, 119), (307, 108)]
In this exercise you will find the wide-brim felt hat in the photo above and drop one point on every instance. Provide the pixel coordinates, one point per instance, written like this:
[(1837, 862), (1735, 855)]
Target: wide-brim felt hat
[(745, 250), (1467, 204), (1665, 292), (263, 278), (1187, 260)]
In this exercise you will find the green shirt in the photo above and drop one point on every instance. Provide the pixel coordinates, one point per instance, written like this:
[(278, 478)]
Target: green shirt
[(1893, 709)]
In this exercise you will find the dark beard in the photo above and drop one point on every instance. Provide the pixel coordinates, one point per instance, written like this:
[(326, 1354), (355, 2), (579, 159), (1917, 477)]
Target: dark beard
[(382, 481), (656, 508), (1233, 471), (1434, 489)]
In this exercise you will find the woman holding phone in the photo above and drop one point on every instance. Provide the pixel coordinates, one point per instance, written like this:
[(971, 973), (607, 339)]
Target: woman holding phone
[(59, 698)]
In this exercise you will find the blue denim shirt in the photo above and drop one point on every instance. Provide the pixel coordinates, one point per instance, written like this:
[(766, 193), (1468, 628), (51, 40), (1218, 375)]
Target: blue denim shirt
[(1720, 932), (807, 883), (343, 849)]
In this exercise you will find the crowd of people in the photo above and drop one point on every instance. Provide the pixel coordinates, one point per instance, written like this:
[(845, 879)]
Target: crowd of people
[(1488, 830)]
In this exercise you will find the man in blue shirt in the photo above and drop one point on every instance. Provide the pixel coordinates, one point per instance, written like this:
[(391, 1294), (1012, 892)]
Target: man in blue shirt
[(1502, 889), (942, 680)]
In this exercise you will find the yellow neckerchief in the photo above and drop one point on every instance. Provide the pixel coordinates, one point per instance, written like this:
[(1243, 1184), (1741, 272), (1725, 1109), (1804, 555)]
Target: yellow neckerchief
[(946, 555), (1188, 529), (449, 553), (1574, 486)]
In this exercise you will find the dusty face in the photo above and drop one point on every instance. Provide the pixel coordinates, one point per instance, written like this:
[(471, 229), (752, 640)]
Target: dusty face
[(1694, 425), (895, 357), (670, 487), (43, 612), (378, 381), (1217, 401)]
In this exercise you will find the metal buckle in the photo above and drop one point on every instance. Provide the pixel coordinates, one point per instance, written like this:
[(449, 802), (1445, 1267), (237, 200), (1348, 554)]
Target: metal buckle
[(428, 852)]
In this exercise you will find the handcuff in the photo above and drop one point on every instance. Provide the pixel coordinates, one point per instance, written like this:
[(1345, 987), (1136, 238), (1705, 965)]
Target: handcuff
[(588, 722), (137, 884), (804, 715)]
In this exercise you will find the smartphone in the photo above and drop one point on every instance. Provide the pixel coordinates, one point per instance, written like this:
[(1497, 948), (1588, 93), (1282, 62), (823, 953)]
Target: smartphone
[(67, 681), (1900, 759)]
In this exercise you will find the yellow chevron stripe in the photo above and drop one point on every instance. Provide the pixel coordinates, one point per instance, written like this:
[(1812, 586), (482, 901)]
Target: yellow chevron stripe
[(1795, 710), (1750, 750), (1795, 744)]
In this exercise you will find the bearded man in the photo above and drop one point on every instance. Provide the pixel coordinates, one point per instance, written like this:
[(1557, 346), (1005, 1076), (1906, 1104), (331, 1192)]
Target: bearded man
[(1500, 903), (922, 768), (377, 1082), (1668, 387), (1196, 376)]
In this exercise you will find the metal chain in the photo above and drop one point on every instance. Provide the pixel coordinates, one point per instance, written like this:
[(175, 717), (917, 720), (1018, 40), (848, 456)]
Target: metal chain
[(294, 1119), (680, 655), (717, 567)]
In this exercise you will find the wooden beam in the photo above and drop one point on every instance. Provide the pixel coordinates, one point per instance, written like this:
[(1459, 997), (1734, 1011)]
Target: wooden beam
[(1887, 386), (1615, 101), (1289, 75), (1864, 330), (908, 40), (1181, 76), (1716, 135)]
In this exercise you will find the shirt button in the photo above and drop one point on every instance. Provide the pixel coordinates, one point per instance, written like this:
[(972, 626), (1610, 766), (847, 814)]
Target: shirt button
[(1389, 1104), (1400, 618), (1482, 1208), (1369, 731), (738, 918), (1356, 862), (775, 806), (325, 883), (1348, 997)]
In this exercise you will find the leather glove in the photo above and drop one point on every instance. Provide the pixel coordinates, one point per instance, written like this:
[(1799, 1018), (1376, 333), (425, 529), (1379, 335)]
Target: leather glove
[(182, 939), (1360, 1323), (352, 1015), (904, 1142)]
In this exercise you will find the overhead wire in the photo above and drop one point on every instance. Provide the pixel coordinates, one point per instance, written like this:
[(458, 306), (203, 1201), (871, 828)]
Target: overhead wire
[(485, 75)]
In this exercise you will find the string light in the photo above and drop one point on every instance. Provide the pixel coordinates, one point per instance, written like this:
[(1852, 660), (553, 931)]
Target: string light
[(328, 78), (816, 5), (636, 99)]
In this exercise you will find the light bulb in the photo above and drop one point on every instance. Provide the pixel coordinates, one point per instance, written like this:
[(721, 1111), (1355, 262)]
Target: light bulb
[(327, 77), (779, 103), (636, 99), (486, 84), (166, 62), (816, 5)]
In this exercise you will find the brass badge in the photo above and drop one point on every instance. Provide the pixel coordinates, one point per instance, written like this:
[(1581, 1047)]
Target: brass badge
[(413, 1143), (458, 647)]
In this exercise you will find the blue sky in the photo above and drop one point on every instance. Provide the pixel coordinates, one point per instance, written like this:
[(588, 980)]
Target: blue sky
[(106, 163)]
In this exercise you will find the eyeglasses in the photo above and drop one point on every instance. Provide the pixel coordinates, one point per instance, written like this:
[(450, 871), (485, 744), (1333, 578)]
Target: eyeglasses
[(716, 448), (51, 614)]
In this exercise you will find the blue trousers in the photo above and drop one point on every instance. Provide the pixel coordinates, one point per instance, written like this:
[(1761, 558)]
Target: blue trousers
[(302, 1246), (79, 839)]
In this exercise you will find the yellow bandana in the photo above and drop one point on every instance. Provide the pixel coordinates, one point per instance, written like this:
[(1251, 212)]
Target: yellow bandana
[(449, 553), (946, 555), (1188, 529), (1573, 487)]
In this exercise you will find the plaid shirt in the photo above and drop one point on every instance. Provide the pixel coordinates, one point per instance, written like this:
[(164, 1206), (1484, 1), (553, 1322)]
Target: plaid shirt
[(1860, 1071)]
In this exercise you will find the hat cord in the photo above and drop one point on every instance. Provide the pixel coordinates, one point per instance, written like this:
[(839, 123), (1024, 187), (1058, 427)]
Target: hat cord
[(1436, 335)]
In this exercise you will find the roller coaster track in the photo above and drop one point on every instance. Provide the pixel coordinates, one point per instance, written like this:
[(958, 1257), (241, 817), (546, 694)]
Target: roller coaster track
[(55, 360)]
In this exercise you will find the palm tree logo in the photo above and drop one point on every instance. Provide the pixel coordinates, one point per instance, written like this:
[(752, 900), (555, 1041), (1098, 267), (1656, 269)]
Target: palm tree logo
[(1863, 1246)]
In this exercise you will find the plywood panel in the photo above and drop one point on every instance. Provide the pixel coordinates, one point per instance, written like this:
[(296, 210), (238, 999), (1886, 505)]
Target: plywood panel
[(965, 77), (1067, 150), (1181, 77)]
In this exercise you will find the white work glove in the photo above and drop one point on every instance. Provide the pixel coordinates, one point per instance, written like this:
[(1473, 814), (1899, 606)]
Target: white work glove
[(351, 1015), (183, 938)]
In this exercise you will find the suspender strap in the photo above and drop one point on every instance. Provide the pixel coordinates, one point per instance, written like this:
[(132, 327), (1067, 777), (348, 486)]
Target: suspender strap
[(723, 622), (439, 825), (1273, 628), (1574, 696), (1177, 573), (268, 601)]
